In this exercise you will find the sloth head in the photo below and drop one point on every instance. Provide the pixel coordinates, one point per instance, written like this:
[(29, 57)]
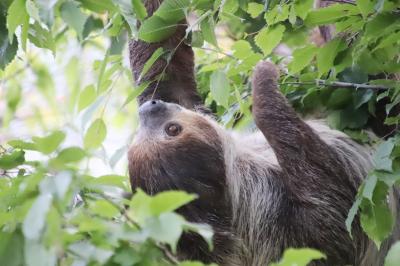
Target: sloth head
[(176, 148)]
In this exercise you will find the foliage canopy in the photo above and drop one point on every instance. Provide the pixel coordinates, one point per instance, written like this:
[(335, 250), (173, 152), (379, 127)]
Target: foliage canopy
[(54, 210)]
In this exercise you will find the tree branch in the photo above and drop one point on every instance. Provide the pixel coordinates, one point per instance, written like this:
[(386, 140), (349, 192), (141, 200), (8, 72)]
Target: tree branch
[(339, 84)]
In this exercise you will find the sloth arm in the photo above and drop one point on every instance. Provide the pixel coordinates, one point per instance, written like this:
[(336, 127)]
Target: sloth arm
[(309, 165), (177, 83)]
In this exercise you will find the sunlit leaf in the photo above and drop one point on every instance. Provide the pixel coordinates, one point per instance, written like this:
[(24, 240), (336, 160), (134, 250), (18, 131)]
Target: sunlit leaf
[(299, 257), (35, 219), (9, 161), (87, 96), (268, 38), (207, 27), (255, 9), (16, 16), (301, 58), (49, 143), (95, 134), (393, 256), (149, 63), (139, 9), (382, 158), (220, 88), (156, 29)]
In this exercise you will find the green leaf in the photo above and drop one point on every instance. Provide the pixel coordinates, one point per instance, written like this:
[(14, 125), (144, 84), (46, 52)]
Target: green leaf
[(242, 49), (255, 9), (73, 16), (12, 248), (303, 7), (17, 15), (391, 39), (362, 96), (339, 98), (170, 201), (268, 38), (34, 222), (149, 63), (99, 6), (382, 154), (376, 217), (155, 29), (32, 10), (352, 214), (299, 257), (145, 206), (118, 154), (366, 7), (204, 230), (19, 144), (330, 14), (126, 10), (95, 135), (301, 58), (196, 39), (106, 180), (278, 14), (9, 161), (87, 251), (348, 118), (166, 228), (57, 185), (49, 143), (87, 96), (104, 209), (220, 88), (36, 254), (393, 256), (71, 154), (140, 10), (136, 92), (8, 48), (41, 37), (172, 11), (380, 25), (369, 186), (207, 27), (327, 54)]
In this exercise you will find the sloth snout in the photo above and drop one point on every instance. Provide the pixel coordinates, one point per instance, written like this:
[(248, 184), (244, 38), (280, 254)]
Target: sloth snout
[(152, 107), (154, 113)]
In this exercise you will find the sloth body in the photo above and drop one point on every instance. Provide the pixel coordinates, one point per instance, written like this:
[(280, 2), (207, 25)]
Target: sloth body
[(290, 184)]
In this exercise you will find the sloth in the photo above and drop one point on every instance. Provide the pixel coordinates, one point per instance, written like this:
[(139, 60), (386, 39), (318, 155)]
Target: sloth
[(289, 184)]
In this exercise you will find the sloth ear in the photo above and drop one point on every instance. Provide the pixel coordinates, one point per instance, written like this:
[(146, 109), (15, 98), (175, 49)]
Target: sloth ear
[(177, 81)]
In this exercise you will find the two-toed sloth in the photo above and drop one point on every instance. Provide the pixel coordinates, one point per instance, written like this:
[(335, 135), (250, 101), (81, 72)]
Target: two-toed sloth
[(289, 184)]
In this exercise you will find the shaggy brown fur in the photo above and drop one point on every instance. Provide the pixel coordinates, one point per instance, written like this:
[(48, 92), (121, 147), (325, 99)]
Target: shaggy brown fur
[(178, 84), (292, 188), (290, 184)]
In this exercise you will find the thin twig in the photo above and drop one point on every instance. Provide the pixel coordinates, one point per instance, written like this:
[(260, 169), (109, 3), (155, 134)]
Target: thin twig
[(350, 2), (217, 51), (321, 82)]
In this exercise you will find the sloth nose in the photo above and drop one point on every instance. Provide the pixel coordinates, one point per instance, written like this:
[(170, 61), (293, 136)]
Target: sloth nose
[(152, 107)]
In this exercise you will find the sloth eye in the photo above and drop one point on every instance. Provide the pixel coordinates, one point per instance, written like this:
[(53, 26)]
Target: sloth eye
[(173, 129)]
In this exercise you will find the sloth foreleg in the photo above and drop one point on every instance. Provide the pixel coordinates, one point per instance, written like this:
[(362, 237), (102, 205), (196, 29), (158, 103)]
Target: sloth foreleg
[(308, 163)]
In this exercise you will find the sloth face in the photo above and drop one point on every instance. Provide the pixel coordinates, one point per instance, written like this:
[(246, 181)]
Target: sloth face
[(176, 148)]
